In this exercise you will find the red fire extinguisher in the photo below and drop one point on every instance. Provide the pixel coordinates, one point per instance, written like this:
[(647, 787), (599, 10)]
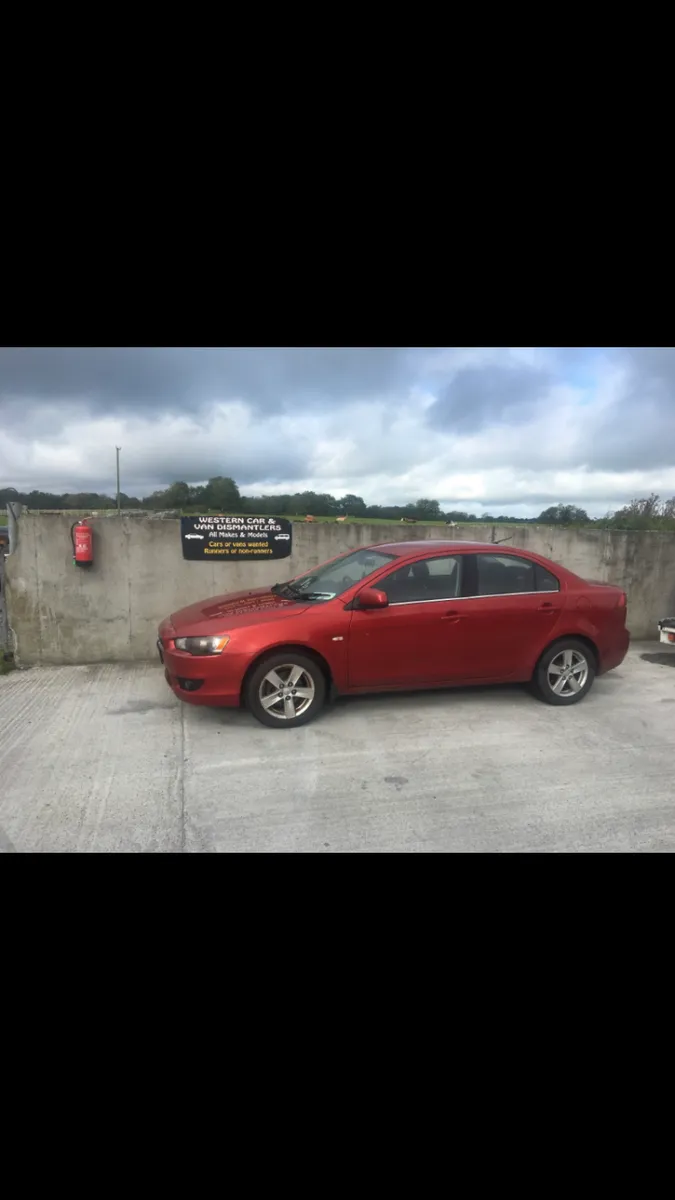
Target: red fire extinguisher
[(82, 536)]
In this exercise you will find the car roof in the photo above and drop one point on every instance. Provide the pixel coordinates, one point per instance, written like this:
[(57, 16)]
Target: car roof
[(420, 545)]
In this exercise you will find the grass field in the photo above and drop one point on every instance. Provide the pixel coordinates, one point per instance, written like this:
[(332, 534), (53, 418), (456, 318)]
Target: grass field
[(598, 523), (76, 514), (332, 520)]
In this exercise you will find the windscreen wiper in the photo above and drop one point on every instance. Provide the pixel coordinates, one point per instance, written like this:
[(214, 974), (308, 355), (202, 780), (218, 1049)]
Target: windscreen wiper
[(298, 594), (280, 588)]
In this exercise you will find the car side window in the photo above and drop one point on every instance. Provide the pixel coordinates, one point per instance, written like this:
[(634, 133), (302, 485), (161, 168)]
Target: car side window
[(546, 582), (430, 579), (503, 575)]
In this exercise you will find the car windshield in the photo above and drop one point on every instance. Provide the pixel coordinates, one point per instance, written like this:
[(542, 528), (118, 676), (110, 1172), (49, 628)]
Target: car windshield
[(324, 583)]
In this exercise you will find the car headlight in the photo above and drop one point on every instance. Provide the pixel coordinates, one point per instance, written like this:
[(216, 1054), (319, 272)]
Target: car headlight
[(202, 645)]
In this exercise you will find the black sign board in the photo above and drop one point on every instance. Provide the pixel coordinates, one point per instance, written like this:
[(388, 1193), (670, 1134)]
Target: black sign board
[(230, 539)]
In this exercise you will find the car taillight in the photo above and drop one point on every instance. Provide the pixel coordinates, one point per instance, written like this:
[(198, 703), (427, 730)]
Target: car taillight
[(621, 602)]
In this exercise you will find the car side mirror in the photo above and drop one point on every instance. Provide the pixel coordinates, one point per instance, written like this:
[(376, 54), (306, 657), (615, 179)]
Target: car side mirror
[(373, 598)]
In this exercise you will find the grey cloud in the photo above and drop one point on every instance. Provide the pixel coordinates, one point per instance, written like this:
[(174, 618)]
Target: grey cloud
[(246, 464), (133, 375), (44, 389), (41, 390), (39, 420), (543, 499), (638, 431), (190, 379), (146, 468), (480, 396)]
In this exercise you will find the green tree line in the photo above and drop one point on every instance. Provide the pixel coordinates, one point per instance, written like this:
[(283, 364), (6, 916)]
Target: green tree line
[(221, 494)]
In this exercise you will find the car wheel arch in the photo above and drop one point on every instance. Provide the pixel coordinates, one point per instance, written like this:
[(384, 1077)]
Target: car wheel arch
[(284, 647), (577, 637)]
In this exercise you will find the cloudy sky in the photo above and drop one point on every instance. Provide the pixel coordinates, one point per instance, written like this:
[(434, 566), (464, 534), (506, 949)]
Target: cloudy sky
[(499, 430)]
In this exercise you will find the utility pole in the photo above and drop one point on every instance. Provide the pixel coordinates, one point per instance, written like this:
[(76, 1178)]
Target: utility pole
[(119, 503)]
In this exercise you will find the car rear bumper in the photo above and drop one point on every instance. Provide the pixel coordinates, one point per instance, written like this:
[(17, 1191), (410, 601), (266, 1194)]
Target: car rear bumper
[(213, 680), (613, 655)]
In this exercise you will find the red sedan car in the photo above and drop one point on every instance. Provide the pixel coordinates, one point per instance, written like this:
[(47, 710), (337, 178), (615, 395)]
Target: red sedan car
[(397, 616)]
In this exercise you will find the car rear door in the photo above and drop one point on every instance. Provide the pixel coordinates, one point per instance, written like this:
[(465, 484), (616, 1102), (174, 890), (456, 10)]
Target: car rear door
[(416, 639), (512, 607)]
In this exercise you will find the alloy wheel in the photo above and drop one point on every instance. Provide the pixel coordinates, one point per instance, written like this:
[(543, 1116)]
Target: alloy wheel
[(567, 673), (286, 691)]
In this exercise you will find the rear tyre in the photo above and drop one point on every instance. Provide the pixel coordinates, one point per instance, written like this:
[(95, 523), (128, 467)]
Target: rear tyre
[(564, 673), (285, 690)]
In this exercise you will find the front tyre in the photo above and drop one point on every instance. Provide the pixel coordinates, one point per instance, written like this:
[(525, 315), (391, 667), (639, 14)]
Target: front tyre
[(285, 690), (565, 672)]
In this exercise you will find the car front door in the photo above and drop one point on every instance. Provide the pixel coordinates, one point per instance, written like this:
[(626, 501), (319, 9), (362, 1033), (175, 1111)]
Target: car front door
[(512, 606), (416, 639)]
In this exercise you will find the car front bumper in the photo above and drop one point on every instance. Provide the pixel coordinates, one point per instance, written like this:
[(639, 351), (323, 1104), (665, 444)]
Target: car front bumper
[(213, 679)]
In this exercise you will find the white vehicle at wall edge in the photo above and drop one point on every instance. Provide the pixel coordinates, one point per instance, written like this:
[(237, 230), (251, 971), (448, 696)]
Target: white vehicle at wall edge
[(667, 631)]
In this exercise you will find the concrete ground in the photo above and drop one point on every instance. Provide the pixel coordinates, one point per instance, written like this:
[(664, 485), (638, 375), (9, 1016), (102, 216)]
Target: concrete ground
[(104, 758)]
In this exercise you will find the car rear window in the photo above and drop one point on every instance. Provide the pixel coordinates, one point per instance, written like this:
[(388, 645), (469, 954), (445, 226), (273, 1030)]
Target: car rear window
[(546, 582), (504, 574)]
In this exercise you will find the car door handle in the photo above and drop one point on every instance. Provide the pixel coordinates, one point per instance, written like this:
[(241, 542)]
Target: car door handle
[(451, 616), (548, 608)]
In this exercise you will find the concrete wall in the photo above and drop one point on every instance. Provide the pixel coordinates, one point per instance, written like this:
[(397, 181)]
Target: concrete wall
[(4, 632), (109, 612)]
